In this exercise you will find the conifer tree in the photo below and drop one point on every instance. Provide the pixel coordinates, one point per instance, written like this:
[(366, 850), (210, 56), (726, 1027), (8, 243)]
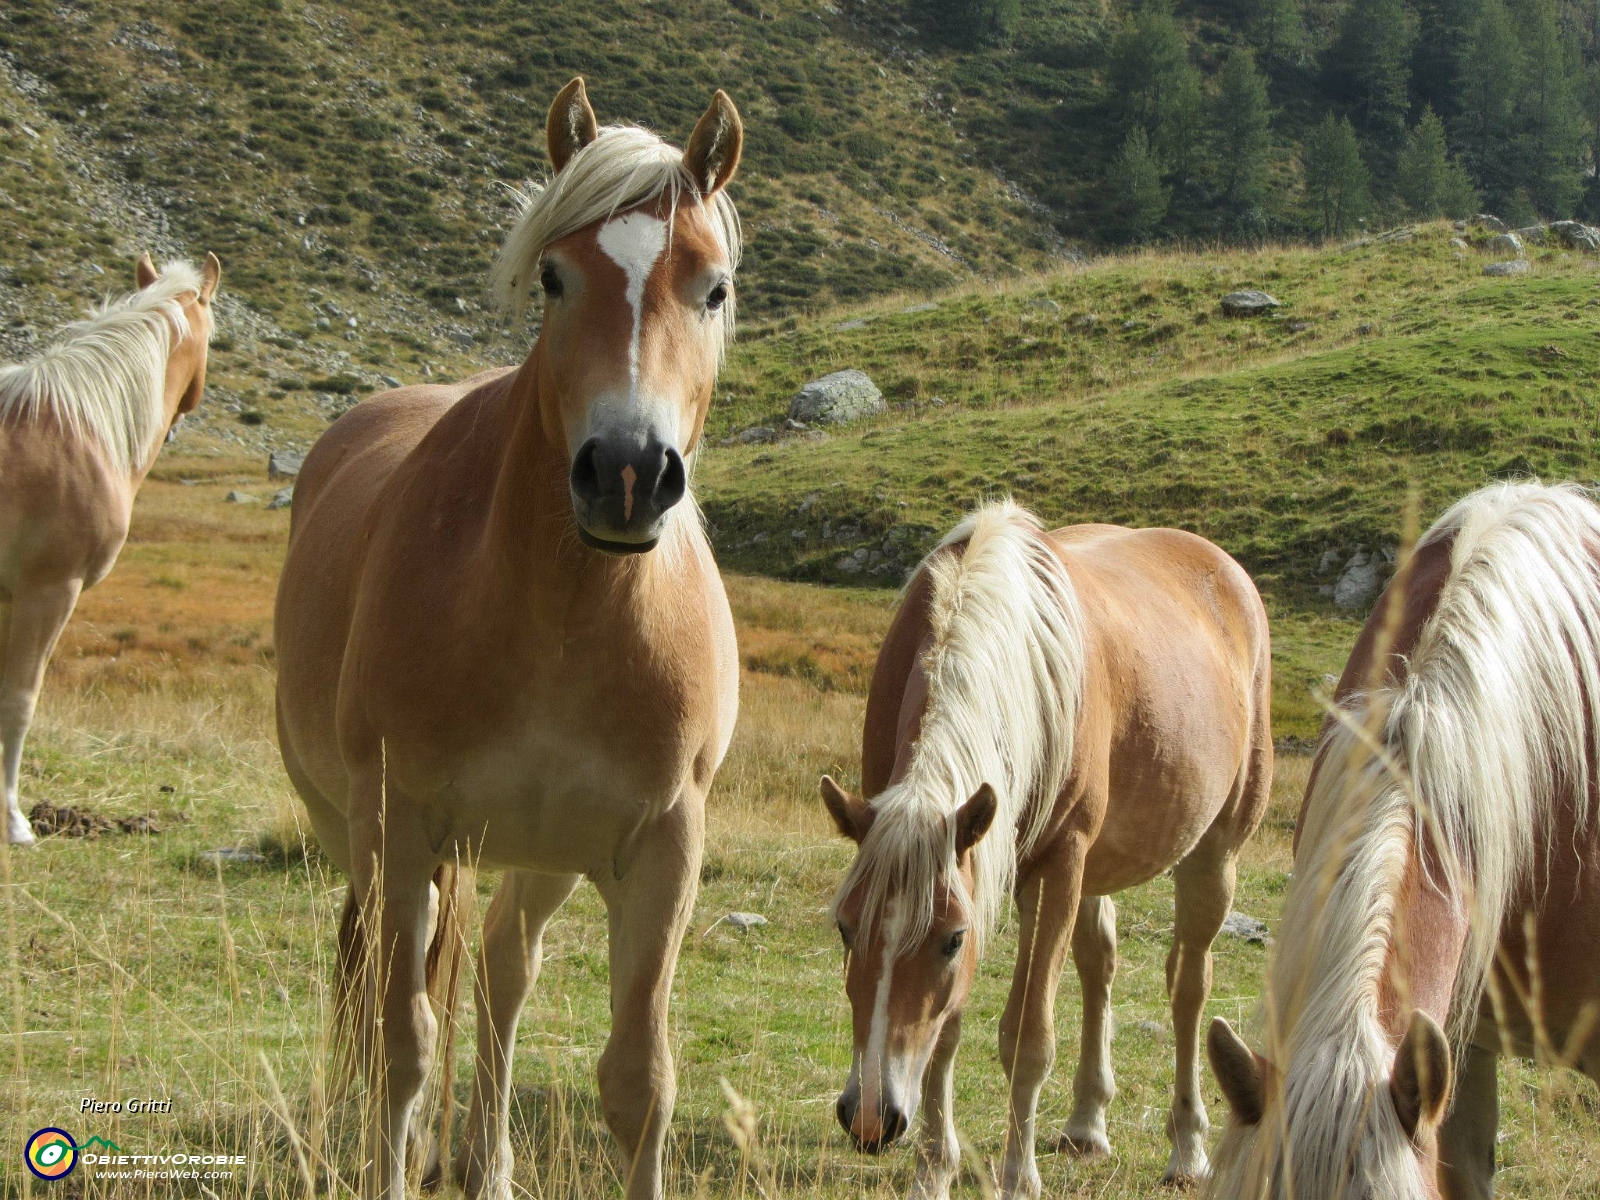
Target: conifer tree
[(1139, 200), (1371, 66), (1336, 177), (1551, 132), (1240, 120), (1431, 183), (1491, 75), (1149, 58)]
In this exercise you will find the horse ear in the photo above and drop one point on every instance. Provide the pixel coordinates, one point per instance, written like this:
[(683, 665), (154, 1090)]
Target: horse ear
[(571, 124), (1420, 1085), (210, 276), (144, 271), (1240, 1072), (712, 155), (974, 818), (852, 816)]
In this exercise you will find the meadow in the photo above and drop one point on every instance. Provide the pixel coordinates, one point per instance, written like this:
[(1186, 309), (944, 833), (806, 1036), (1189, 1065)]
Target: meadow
[(142, 965)]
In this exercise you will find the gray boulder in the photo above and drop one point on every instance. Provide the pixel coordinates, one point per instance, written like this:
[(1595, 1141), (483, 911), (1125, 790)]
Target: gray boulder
[(1251, 929), (285, 464), (1249, 303), (1362, 578), (282, 498), (1492, 224), (1506, 245), (1533, 235), (240, 498), (1517, 266), (1575, 235), (847, 395)]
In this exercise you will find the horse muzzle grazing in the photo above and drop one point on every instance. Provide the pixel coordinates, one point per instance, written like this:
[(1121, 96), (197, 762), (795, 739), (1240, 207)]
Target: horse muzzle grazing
[(872, 1128), (623, 486)]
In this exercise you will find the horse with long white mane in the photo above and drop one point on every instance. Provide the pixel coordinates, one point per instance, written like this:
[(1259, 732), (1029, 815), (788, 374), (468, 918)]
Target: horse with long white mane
[(80, 427), (1100, 697), (1450, 811), (502, 638)]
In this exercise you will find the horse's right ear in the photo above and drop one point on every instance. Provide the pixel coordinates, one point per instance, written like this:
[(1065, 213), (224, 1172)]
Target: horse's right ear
[(571, 125), (144, 271), (852, 816), (1240, 1072), (210, 276)]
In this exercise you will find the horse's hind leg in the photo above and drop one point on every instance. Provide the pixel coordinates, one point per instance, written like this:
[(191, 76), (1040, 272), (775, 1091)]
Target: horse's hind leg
[(508, 966), (1094, 950), (1204, 883), (36, 617)]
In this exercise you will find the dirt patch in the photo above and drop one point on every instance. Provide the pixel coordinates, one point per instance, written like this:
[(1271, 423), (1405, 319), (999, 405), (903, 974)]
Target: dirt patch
[(48, 820)]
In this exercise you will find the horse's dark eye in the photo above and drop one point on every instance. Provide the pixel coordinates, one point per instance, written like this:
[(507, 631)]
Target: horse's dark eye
[(952, 944), (550, 282), (718, 296)]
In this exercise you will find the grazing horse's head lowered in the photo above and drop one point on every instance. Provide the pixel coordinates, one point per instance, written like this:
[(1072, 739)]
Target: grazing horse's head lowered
[(634, 245), (909, 965)]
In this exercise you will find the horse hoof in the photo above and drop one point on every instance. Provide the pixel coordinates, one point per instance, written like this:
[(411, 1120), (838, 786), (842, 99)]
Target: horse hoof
[(18, 831), (1183, 1181), (1085, 1146)]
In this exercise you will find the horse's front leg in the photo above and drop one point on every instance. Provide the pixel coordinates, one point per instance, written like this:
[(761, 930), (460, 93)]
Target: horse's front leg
[(939, 1153), (1047, 902), (393, 869), (508, 966), (29, 627), (1094, 953), (649, 909)]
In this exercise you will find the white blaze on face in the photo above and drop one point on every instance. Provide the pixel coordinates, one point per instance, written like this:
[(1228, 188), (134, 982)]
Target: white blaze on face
[(634, 242), (874, 1062)]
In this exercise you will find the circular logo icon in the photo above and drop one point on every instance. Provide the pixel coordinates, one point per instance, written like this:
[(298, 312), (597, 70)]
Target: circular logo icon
[(51, 1153)]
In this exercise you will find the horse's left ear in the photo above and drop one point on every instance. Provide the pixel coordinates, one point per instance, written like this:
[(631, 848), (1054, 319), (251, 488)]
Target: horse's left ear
[(974, 818), (713, 152), (210, 276), (852, 816), (144, 271), (1420, 1085)]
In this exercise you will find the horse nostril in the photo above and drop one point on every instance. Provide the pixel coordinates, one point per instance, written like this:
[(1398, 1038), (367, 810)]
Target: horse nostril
[(585, 474), (674, 481), (845, 1110), (894, 1124)]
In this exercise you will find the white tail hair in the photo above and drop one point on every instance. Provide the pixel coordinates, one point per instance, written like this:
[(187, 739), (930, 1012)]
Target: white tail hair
[(104, 377), (1492, 727), (624, 166), (1004, 668)]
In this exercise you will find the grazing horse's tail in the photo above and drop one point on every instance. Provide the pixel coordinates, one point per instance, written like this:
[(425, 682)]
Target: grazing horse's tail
[(447, 952)]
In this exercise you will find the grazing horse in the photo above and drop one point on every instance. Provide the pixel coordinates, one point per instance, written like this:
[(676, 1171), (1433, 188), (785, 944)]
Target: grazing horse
[(80, 428), (1450, 812), (1101, 697), (502, 639)]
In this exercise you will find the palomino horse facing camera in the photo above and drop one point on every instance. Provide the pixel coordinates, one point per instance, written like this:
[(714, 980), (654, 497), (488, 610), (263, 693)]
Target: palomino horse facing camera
[(1100, 697), (1450, 812), (502, 638), (80, 428)]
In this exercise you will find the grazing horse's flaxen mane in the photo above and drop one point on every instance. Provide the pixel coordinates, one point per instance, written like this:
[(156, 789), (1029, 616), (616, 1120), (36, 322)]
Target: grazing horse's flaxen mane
[(1004, 669), (103, 378), (623, 167), (1493, 724)]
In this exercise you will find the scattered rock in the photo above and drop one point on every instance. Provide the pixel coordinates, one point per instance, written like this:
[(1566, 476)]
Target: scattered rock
[(1250, 929), (461, 338), (1517, 266), (852, 323), (231, 854), (1492, 224), (1085, 321), (284, 464), (790, 425), (240, 498), (1458, 243), (756, 435), (1044, 303), (1298, 326), (1533, 235), (846, 395), (1129, 326), (48, 820), (1506, 245), (853, 564), (1575, 235), (1363, 575), (1366, 330), (389, 381), (1249, 303), (745, 920), (282, 498)]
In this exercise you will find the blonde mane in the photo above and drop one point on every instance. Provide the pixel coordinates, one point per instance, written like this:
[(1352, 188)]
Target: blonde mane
[(104, 377), (1005, 669), (623, 167), (1493, 725)]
